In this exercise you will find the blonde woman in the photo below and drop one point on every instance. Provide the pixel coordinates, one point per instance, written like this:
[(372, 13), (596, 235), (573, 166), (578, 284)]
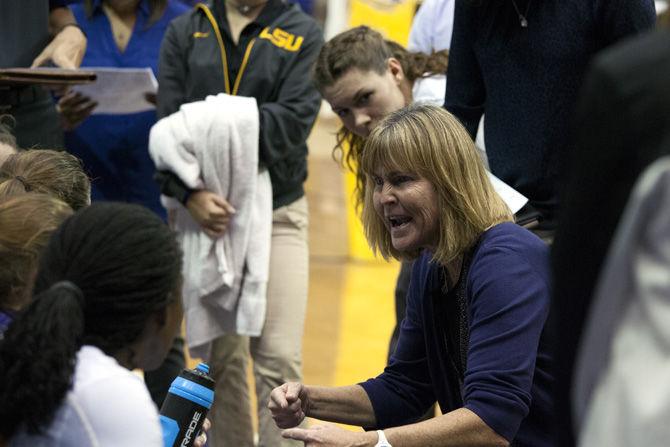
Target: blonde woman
[(473, 339)]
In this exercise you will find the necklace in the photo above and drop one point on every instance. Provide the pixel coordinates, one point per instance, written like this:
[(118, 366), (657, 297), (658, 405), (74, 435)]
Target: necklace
[(245, 9), (522, 17)]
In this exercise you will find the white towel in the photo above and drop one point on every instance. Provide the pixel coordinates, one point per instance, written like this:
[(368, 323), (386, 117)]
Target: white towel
[(213, 145)]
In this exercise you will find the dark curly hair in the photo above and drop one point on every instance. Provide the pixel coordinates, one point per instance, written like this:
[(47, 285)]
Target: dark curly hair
[(366, 50), (125, 264)]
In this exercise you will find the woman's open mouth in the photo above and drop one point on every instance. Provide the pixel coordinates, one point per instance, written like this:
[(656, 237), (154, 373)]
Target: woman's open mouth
[(398, 221)]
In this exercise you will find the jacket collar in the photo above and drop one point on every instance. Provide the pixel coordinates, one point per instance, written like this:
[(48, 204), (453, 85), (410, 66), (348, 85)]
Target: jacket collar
[(269, 13)]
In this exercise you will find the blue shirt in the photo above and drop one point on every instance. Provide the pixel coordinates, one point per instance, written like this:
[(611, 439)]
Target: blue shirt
[(114, 148), (6, 318), (507, 380)]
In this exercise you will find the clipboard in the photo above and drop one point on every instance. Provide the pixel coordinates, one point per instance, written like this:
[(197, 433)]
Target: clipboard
[(45, 76)]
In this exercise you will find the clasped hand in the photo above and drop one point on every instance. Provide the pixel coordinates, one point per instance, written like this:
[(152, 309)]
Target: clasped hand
[(289, 404), (211, 211)]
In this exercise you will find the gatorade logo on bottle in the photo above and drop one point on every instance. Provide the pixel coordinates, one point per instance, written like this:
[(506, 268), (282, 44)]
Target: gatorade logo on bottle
[(191, 429), (189, 398)]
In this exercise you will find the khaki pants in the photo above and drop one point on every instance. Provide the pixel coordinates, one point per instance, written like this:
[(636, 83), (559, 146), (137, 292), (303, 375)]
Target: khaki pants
[(277, 353)]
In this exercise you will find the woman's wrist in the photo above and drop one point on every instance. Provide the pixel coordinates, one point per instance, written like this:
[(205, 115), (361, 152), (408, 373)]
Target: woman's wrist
[(70, 24), (369, 438)]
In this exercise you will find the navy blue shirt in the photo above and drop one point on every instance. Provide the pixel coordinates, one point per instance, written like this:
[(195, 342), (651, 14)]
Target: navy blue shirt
[(507, 380), (114, 148), (526, 80)]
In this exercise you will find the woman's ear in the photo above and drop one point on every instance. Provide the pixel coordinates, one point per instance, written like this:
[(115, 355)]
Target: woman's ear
[(395, 68)]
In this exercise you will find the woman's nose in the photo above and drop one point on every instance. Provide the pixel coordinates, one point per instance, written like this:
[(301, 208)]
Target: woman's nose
[(387, 195), (361, 119)]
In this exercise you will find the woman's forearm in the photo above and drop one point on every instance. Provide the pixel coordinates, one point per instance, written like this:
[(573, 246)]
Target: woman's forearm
[(457, 428), (345, 405)]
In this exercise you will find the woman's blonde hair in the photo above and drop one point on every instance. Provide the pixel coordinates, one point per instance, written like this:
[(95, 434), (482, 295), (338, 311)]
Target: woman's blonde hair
[(430, 142), (26, 223), (57, 173)]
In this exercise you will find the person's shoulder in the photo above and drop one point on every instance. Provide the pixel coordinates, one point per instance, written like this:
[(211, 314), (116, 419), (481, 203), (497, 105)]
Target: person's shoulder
[(510, 239), (187, 19), (508, 252), (174, 9), (76, 8), (294, 19), (635, 55), (113, 400), (96, 371)]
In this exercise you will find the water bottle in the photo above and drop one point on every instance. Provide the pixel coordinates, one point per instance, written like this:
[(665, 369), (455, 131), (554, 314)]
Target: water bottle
[(184, 410)]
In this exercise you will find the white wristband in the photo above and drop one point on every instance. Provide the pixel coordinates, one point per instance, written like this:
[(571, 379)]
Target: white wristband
[(381, 440)]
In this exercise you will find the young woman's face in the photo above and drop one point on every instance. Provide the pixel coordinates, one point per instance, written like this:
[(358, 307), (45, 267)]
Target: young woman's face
[(363, 98), (159, 334), (407, 203)]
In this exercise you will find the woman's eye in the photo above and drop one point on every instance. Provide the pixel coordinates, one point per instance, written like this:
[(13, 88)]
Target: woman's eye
[(342, 113), (378, 181), (364, 99), (401, 179)]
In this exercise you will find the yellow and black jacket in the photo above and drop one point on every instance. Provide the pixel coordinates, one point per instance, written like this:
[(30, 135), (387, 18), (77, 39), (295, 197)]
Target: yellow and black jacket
[(271, 62)]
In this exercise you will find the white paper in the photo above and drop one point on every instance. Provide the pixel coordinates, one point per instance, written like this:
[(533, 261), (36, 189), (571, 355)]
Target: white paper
[(513, 198), (120, 90)]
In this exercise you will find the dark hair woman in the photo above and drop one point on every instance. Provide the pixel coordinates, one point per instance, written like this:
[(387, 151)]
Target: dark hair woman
[(389, 77), (107, 300)]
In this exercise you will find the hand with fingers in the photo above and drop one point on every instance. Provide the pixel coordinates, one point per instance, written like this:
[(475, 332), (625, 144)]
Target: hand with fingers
[(328, 435), (211, 211), (74, 108), (201, 440), (289, 404), (66, 50)]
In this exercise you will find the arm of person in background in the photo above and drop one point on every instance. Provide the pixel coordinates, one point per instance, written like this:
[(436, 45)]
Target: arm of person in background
[(466, 94), (74, 108), (432, 27), (210, 210), (421, 33), (68, 46)]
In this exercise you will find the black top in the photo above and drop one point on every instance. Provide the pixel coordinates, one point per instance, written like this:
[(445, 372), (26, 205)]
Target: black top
[(526, 79), (624, 116), (24, 31), (277, 74)]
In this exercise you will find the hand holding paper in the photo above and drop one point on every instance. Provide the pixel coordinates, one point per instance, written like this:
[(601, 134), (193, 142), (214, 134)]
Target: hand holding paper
[(120, 90)]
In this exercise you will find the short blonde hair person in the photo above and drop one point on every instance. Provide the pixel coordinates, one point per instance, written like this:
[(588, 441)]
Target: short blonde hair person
[(57, 173), (429, 141)]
